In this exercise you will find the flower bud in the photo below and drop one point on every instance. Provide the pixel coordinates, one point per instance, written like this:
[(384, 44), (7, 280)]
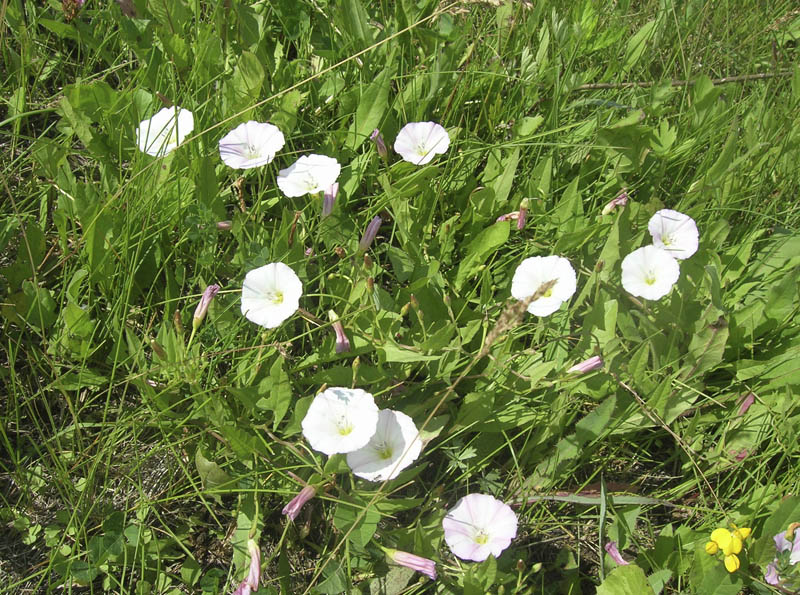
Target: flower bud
[(523, 214), (587, 365), (293, 508), (328, 198), (251, 582), (379, 144), (620, 201), (412, 561), (224, 225), (613, 552), (342, 342), (202, 307), (370, 233)]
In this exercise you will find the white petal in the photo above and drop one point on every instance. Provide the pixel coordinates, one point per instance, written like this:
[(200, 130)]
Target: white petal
[(649, 272), (674, 232), (340, 420), (478, 525), (308, 175), (393, 447), (251, 144), (533, 272), (271, 294), (420, 142), (162, 133)]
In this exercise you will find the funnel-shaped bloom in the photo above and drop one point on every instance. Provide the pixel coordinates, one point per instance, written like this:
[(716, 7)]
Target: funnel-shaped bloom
[(479, 525), (251, 144), (674, 232), (162, 133), (649, 272), (393, 447), (419, 142), (308, 175), (613, 552), (271, 294), (340, 420), (534, 272), (251, 582)]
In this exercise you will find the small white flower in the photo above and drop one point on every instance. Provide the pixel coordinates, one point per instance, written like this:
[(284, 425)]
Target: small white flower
[(251, 144), (308, 175), (340, 420), (419, 142), (479, 525), (162, 133), (649, 272), (393, 447), (534, 272), (271, 294), (674, 232)]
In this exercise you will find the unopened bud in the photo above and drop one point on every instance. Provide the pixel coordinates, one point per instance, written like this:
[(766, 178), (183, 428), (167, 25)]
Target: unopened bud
[(177, 322), (329, 198), (367, 261), (379, 144), (619, 201), (520, 565), (523, 214), (158, 349), (224, 225), (340, 252), (370, 233), (202, 307), (370, 284), (342, 342)]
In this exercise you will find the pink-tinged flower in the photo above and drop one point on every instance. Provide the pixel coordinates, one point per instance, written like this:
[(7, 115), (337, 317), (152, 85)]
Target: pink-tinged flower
[(523, 214), (328, 198), (293, 508), (587, 365), (202, 307), (251, 144), (619, 201), (419, 142), (745, 402), (379, 144), (512, 216), (342, 342), (478, 526), (224, 225), (251, 582), (781, 571), (370, 233), (412, 561), (771, 575), (611, 549), (674, 232)]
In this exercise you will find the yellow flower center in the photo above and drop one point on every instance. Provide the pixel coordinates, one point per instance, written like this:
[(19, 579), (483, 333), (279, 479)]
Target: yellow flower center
[(481, 538), (276, 297)]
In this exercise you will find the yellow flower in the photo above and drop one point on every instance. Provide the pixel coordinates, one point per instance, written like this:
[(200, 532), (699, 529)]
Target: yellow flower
[(730, 543)]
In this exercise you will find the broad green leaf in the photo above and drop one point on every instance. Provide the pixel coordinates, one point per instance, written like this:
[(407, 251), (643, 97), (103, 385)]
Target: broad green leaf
[(346, 518), (371, 109), (479, 249), (625, 580), (211, 474), (709, 576), (637, 45)]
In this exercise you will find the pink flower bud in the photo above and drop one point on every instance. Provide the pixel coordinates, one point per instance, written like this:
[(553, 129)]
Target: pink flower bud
[(293, 508), (587, 365), (342, 342), (512, 216), (224, 225), (202, 307), (611, 548), (523, 214), (251, 582), (379, 144), (620, 201), (414, 562), (370, 233), (745, 402), (328, 198)]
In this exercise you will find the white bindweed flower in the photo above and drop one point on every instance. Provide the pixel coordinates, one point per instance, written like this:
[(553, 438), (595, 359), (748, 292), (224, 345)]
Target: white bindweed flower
[(649, 272), (534, 272), (393, 447), (308, 175), (419, 142), (162, 133), (674, 232), (251, 144), (271, 294), (340, 420), (479, 525)]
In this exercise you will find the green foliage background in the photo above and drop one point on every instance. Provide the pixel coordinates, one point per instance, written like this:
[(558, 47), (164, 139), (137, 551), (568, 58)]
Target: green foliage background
[(133, 461)]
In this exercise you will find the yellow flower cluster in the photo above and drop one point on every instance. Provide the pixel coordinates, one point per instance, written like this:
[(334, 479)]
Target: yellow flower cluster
[(730, 543)]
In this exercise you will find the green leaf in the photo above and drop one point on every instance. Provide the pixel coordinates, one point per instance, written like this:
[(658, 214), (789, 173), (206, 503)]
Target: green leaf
[(479, 249), (709, 577), (637, 45), (243, 89), (346, 518), (625, 580), (371, 109), (211, 474)]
